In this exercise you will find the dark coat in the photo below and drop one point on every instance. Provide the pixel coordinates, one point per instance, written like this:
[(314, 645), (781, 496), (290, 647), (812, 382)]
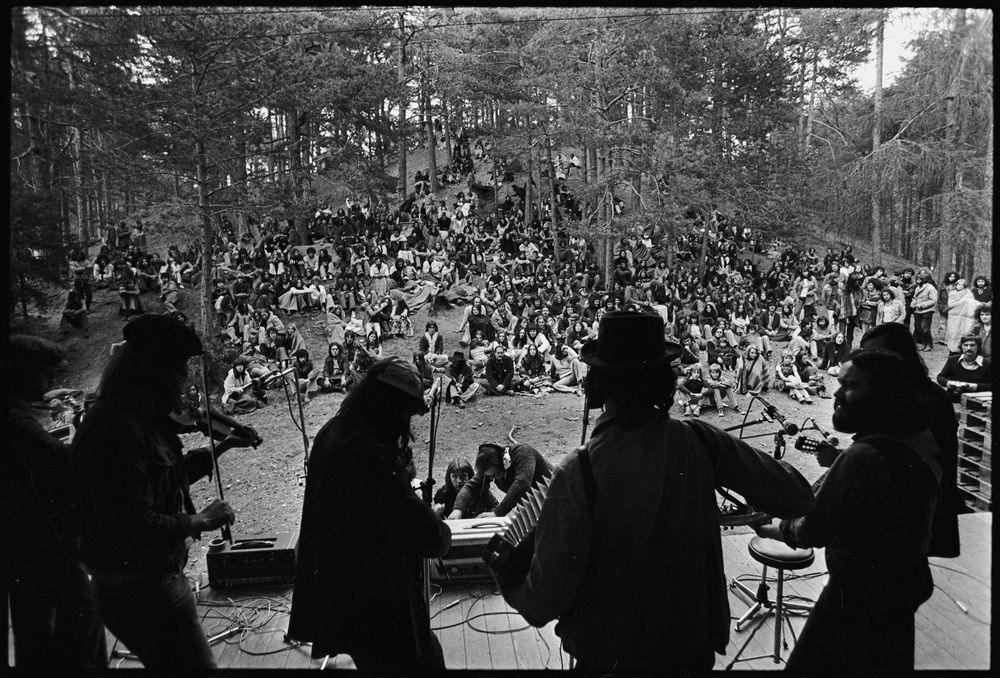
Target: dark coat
[(358, 587), (130, 482)]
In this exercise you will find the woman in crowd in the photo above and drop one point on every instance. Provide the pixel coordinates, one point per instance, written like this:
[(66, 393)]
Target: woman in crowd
[(570, 372), (753, 374), (458, 473), (241, 394), (431, 344), (835, 353), (400, 324), (961, 315), (788, 380)]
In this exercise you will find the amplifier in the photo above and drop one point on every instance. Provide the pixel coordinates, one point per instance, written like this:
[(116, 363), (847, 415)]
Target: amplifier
[(464, 560), (249, 561)]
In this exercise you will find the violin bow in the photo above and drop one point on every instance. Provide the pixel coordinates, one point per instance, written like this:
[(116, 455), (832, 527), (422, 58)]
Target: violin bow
[(226, 533)]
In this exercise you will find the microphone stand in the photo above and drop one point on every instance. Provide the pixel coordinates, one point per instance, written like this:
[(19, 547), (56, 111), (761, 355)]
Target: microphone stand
[(226, 533), (427, 486)]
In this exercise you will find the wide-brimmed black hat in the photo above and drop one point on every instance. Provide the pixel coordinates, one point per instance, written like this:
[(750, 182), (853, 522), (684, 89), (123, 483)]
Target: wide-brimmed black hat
[(630, 341), (457, 357)]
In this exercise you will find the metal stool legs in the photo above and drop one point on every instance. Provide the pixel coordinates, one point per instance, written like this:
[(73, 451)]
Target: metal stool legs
[(779, 607)]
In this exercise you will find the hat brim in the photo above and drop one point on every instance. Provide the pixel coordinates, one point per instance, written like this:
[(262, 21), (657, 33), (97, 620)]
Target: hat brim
[(589, 355)]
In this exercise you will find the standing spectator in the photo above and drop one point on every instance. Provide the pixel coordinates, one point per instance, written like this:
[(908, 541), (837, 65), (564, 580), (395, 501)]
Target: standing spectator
[(925, 299), (890, 308), (984, 329), (982, 290), (961, 314)]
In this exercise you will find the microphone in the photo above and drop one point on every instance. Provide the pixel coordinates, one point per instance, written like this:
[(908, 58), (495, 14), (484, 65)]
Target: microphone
[(771, 413), (833, 440)]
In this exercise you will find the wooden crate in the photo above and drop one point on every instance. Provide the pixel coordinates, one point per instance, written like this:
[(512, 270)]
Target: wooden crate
[(975, 418), (978, 402), (976, 434)]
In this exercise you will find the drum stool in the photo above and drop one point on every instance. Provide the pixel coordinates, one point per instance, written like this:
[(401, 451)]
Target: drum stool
[(781, 557)]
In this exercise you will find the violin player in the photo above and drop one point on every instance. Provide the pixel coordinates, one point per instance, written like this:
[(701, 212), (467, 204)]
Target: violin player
[(131, 487)]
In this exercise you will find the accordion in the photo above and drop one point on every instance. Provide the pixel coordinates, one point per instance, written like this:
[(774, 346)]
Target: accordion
[(508, 554)]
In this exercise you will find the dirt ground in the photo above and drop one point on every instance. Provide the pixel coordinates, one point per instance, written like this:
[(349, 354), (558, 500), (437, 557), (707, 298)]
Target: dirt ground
[(265, 485)]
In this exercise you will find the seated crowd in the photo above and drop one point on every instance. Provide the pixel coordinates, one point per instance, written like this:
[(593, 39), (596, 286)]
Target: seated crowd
[(745, 329)]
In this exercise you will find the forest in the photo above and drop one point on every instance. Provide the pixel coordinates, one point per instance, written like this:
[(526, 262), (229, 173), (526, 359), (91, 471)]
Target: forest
[(184, 116)]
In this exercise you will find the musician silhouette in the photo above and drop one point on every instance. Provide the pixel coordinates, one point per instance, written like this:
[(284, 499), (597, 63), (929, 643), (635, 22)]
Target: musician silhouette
[(627, 547)]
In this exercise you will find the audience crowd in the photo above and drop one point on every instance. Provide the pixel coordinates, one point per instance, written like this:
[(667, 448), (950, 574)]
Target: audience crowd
[(759, 317)]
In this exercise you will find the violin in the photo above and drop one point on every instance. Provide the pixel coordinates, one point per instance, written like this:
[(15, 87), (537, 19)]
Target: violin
[(224, 427)]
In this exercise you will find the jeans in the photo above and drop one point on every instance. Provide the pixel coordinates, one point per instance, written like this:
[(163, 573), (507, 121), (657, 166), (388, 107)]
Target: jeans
[(55, 622), (157, 619), (922, 327)]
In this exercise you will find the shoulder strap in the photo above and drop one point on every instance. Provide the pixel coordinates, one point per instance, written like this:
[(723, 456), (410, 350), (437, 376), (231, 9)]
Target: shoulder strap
[(587, 471)]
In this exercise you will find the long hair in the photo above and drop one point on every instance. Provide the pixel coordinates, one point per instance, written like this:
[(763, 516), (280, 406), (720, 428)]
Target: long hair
[(135, 376), (896, 338), (897, 405), (379, 408), (636, 397), (458, 465)]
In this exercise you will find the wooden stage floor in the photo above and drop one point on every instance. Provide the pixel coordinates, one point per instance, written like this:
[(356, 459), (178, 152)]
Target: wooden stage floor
[(478, 630)]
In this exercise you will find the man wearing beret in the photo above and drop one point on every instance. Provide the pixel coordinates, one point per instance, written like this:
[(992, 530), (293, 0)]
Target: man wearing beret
[(131, 485), (364, 532)]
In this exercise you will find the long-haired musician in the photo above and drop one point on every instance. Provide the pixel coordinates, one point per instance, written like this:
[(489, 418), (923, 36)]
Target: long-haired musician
[(874, 515), (131, 487), (364, 532), (631, 564)]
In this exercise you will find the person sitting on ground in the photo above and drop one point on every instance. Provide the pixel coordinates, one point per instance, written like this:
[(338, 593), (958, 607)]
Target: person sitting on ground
[(461, 385), (241, 395), (128, 293), (458, 473), (753, 374), (720, 387), (967, 372), (334, 370), (690, 388), (514, 470), (431, 344), (532, 375), (499, 373), (788, 380), (74, 315), (570, 373), (305, 374), (834, 354)]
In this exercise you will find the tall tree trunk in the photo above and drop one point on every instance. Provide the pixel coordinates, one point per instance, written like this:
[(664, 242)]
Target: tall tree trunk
[(983, 251), (431, 136), (403, 103), (205, 315), (528, 194), (447, 130), (876, 142), (295, 121), (953, 178), (812, 103), (552, 198)]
